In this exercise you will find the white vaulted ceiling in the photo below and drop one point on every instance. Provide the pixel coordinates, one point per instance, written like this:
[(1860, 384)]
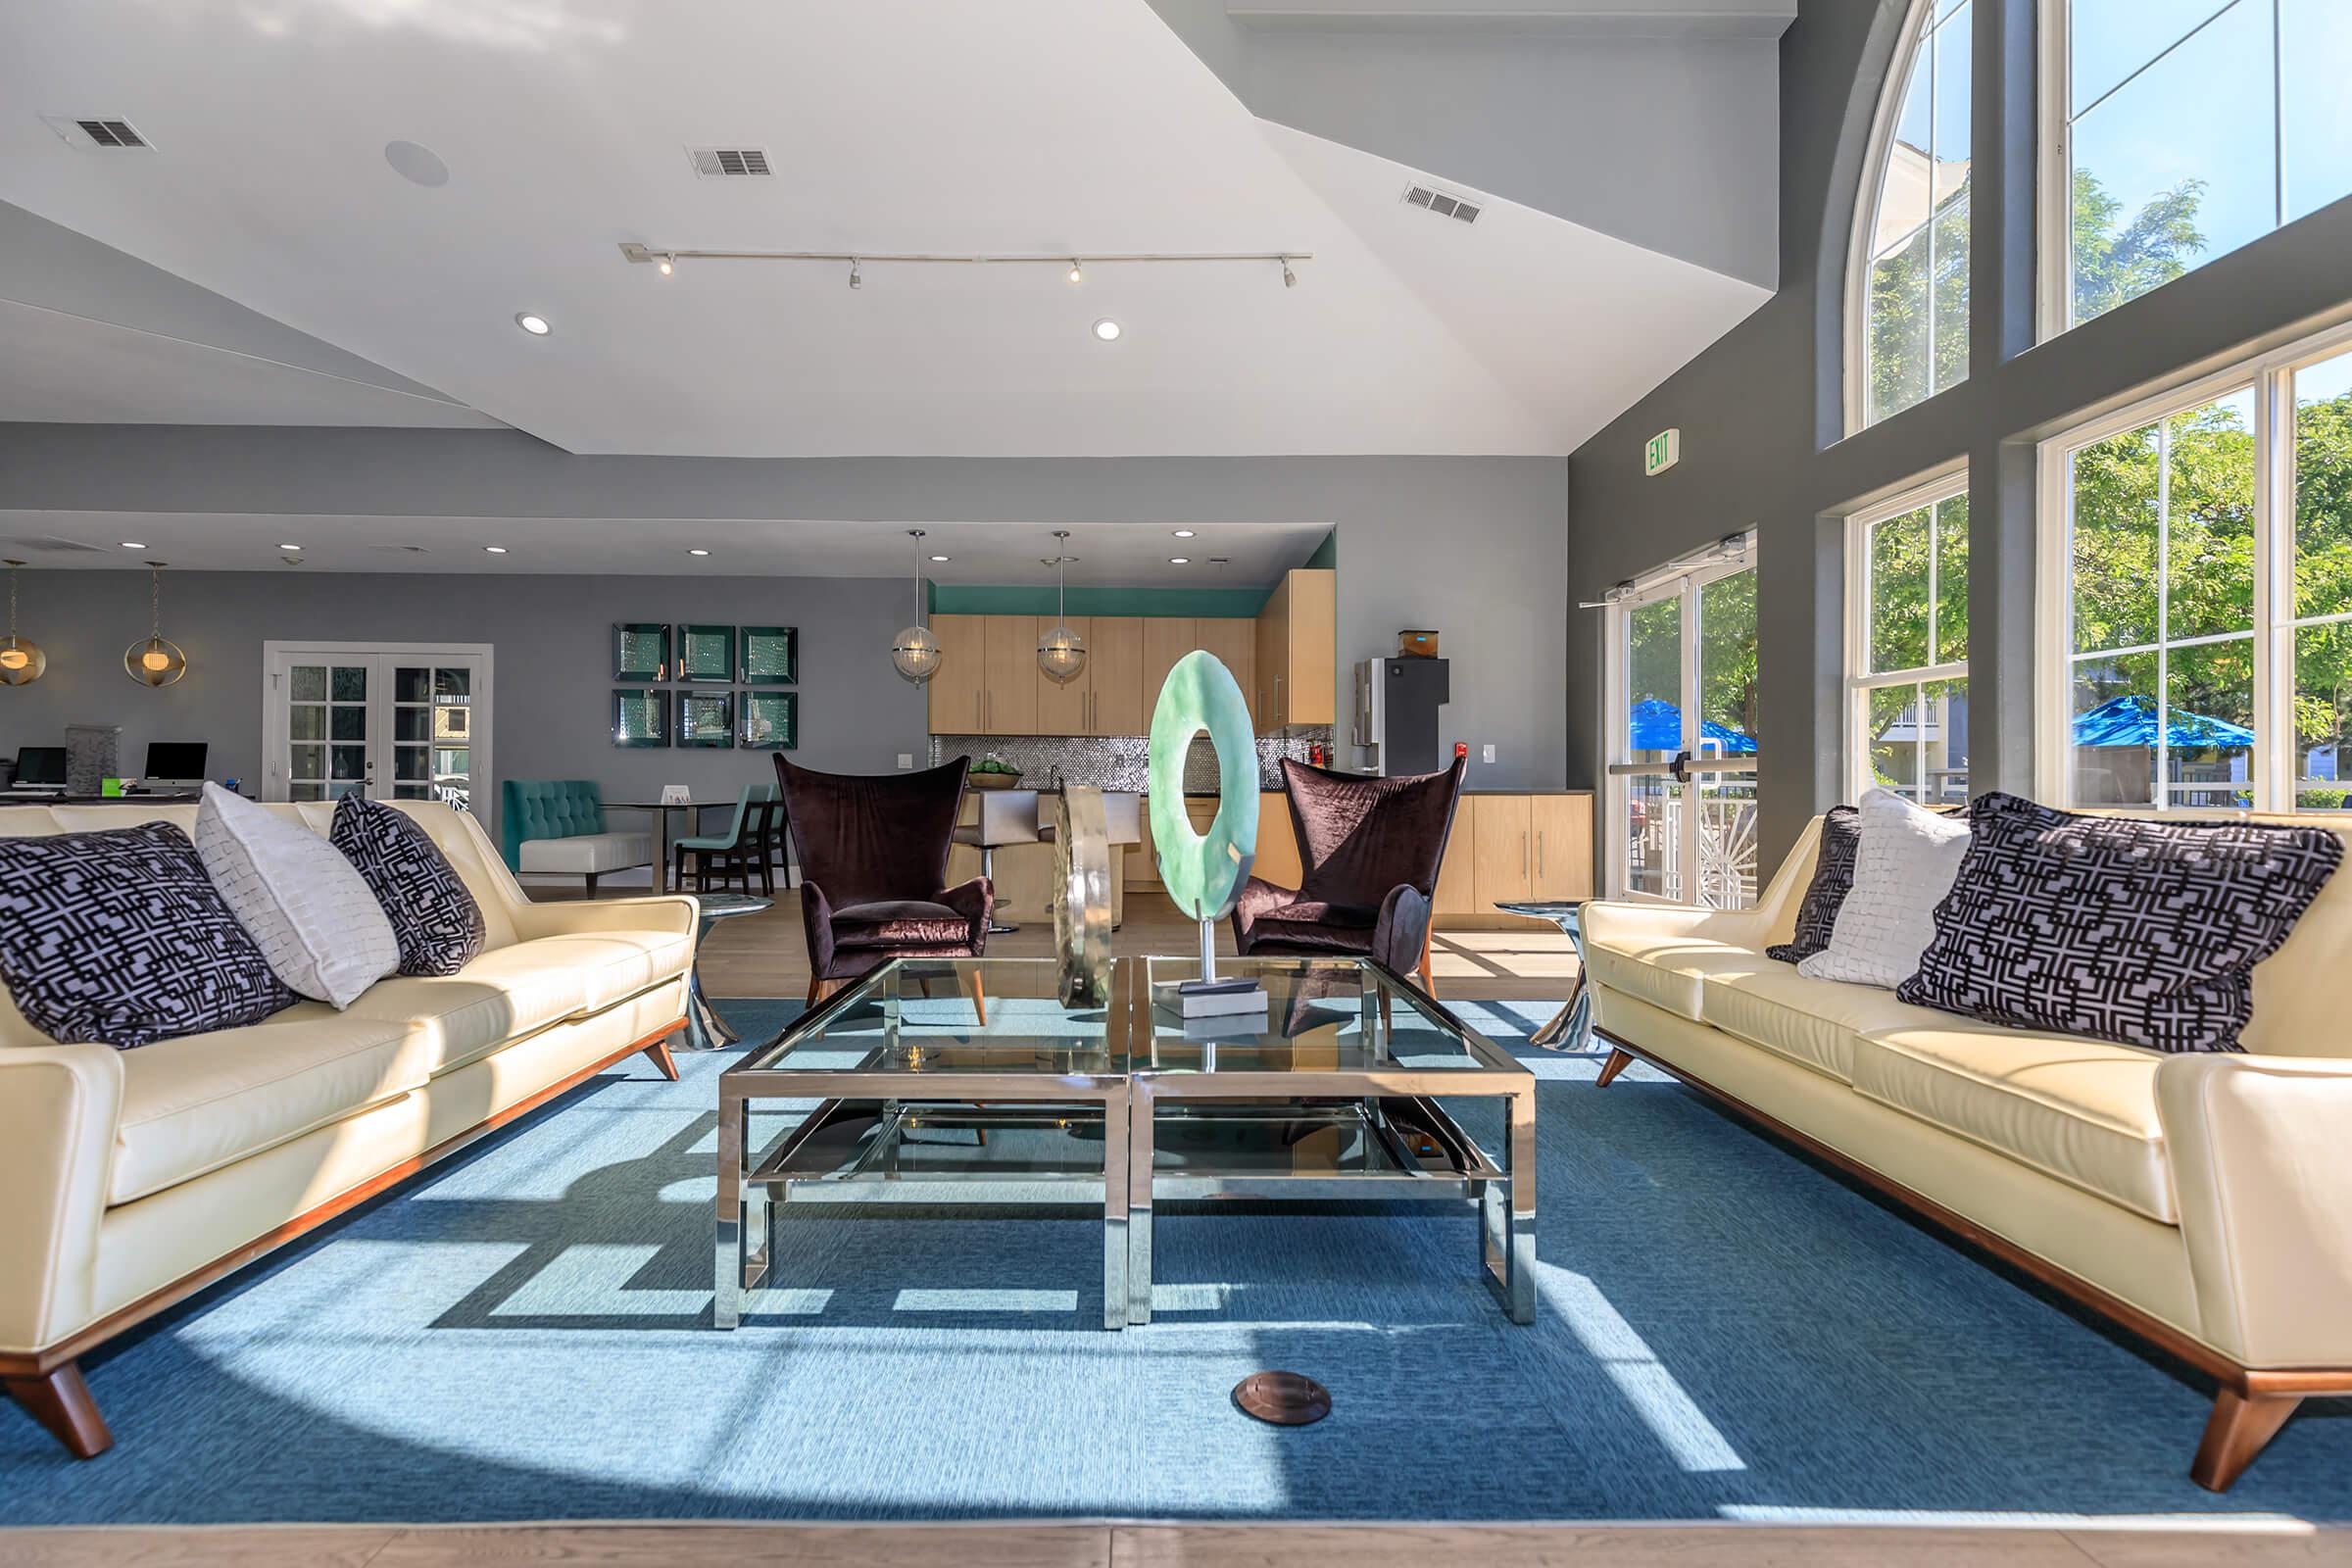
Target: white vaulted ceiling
[(925, 126)]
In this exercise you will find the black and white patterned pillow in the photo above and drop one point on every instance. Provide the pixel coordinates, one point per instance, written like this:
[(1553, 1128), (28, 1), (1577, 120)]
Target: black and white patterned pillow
[(439, 925), (119, 938), (1832, 880), (2120, 928)]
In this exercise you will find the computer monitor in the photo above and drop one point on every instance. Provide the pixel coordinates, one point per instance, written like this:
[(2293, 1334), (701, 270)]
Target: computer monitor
[(180, 762), (41, 764)]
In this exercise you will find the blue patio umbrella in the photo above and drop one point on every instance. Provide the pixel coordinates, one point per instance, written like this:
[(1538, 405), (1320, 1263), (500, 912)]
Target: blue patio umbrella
[(1658, 727), (2130, 721)]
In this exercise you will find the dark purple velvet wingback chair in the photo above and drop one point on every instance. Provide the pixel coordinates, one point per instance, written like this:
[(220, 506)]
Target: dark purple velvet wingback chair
[(1371, 848), (873, 856)]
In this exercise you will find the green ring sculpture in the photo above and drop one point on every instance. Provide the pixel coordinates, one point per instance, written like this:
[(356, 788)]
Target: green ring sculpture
[(1203, 874)]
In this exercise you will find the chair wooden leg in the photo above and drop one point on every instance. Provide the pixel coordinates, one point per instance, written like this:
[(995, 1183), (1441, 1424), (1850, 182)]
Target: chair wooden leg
[(659, 1055), (1618, 1061), (61, 1401), (2237, 1431), (1428, 982), (979, 997)]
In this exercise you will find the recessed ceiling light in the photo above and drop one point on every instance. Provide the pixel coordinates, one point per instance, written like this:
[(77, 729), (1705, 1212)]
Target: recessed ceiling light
[(132, 544), (1180, 560), (1107, 329), (1184, 533), (698, 551), (939, 557), (496, 550), (536, 326), (289, 546)]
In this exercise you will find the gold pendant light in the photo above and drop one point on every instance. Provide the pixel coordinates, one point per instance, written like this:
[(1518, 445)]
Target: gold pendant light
[(1062, 652), (914, 652), (155, 662), (20, 662)]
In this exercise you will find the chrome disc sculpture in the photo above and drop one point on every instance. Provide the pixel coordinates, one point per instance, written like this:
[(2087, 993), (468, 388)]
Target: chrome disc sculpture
[(1082, 911), (1203, 874)]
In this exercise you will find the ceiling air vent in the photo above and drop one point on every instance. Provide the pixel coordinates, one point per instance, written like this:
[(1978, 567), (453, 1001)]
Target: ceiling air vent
[(730, 163), (1441, 204), (117, 135), (49, 546)]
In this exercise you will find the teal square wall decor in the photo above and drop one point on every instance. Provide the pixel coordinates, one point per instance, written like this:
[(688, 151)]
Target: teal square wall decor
[(771, 722), (640, 718), (771, 656)]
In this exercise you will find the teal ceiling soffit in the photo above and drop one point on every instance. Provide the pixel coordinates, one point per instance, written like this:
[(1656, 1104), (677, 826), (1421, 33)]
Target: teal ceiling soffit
[(983, 599)]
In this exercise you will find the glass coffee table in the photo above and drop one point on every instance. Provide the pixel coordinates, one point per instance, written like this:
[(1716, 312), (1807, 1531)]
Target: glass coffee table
[(1332, 1094)]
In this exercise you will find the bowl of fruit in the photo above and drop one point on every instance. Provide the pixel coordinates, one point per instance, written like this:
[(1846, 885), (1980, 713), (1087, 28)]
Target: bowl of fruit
[(992, 773)]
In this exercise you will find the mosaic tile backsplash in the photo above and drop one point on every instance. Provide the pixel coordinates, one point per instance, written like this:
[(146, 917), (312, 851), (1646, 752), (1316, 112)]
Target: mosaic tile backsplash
[(1119, 762)]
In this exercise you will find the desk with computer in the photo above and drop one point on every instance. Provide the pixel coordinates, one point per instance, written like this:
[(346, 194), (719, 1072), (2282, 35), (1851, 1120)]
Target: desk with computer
[(174, 769)]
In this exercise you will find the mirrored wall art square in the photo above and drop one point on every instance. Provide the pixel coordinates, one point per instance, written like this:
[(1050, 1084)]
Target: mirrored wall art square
[(641, 719), (640, 650), (771, 720), (771, 656), (707, 653), (706, 718)]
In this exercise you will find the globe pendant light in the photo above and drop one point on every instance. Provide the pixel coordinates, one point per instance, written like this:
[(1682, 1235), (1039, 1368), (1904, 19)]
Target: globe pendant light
[(20, 662), (914, 652), (155, 662), (1062, 652)]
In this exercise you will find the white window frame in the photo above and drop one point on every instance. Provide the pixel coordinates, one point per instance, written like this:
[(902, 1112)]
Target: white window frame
[(2271, 765), (1866, 218), (2054, 154), (1860, 680)]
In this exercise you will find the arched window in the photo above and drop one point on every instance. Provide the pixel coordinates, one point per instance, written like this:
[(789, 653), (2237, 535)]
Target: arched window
[(1907, 277)]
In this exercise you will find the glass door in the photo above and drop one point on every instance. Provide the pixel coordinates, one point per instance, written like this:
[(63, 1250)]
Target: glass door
[(389, 723), (1681, 742)]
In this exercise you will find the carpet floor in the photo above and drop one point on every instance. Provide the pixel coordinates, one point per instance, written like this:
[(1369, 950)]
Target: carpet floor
[(1725, 1331)]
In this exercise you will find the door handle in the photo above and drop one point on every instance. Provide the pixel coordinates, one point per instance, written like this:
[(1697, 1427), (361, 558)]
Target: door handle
[(1539, 851), (1523, 863)]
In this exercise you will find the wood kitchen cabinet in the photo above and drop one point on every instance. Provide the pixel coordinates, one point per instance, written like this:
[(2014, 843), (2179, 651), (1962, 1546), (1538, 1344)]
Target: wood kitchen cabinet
[(1454, 894), (1563, 847), (1117, 703), (1165, 640), (1009, 677), (1297, 657), (1063, 710), (1502, 850), (956, 692), (1233, 643), (1277, 859)]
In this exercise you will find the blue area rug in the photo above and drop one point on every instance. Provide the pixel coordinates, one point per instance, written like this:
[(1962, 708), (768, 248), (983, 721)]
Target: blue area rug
[(1726, 1331)]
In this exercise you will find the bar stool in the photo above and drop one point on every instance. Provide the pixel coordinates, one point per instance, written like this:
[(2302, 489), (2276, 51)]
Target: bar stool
[(1006, 816)]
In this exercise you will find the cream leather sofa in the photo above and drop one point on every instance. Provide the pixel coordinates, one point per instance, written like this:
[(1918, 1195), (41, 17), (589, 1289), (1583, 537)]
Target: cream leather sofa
[(132, 1178), (2203, 1201)]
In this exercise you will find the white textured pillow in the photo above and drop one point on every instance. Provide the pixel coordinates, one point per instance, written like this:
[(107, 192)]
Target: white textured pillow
[(302, 902), (1904, 867)]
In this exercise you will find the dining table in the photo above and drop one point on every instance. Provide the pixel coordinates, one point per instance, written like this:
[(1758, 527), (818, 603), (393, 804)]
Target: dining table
[(659, 811)]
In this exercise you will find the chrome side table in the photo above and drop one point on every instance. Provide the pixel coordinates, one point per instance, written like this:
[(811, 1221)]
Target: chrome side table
[(1571, 1028), (705, 1029)]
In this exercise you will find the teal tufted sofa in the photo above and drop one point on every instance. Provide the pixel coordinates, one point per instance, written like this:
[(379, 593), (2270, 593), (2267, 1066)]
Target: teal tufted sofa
[(558, 826)]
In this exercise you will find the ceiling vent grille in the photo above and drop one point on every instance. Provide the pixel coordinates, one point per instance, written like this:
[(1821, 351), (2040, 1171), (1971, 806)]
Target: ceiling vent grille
[(1441, 202), (730, 163), (50, 546), (115, 135)]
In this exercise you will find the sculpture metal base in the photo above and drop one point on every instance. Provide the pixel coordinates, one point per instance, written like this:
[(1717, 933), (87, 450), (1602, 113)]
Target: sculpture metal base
[(1282, 1398)]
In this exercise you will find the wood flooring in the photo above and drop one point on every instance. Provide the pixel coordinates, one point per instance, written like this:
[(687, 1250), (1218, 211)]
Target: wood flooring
[(2256, 1544)]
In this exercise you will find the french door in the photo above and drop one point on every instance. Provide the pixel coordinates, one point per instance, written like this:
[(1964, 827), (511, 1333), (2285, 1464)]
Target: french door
[(1681, 719), (397, 722)]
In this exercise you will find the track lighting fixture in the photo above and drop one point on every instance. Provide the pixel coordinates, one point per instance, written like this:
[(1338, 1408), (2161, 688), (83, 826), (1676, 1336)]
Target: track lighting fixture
[(855, 280), (667, 265), (1290, 279), (1077, 271)]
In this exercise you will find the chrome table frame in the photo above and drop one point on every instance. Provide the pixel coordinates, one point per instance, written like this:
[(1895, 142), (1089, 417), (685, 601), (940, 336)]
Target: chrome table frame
[(754, 1188), (1504, 1193), (1570, 1028), (705, 1029)]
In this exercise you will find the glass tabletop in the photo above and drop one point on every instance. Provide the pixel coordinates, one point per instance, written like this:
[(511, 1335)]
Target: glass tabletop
[(923, 1019)]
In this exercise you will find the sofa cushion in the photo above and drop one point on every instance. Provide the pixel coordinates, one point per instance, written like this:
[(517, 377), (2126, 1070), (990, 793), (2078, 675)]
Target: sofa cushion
[(2134, 930), (2081, 1110), (521, 989), (587, 854), (1313, 925), (1903, 866), (437, 922), (1833, 879), (198, 1103), (1814, 1023), (312, 915), (1665, 969), (119, 938)]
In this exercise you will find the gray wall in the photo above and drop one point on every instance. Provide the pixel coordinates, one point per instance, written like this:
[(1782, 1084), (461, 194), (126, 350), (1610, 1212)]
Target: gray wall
[(551, 667), (1760, 415), (1476, 546)]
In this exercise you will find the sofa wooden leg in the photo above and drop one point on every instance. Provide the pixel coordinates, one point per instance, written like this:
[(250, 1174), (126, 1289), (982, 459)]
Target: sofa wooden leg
[(1618, 1061), (2240, 1425), (61, 1401), (659, 1055)]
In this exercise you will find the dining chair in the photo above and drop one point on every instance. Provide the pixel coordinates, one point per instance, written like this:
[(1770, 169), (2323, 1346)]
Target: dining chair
[(709, 851), (754, 853)]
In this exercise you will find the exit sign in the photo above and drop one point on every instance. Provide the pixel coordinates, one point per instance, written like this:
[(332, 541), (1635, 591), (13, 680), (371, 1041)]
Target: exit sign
[(1664, 451)]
